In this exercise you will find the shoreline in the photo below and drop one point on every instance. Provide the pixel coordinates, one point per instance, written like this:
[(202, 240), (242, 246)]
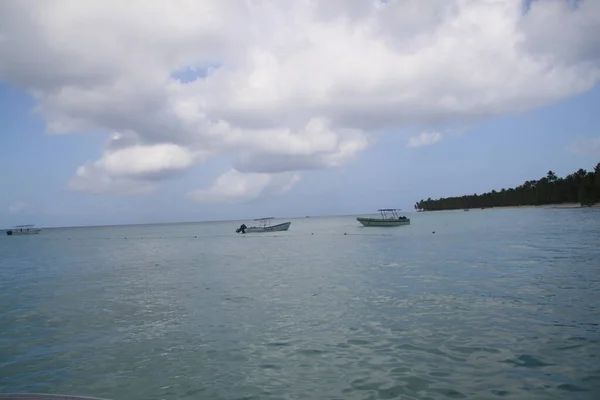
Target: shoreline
[(561, 206)]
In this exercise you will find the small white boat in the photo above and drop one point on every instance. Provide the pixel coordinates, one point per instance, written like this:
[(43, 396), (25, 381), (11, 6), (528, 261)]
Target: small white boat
[(389, 217), (264, 225), (23, 230)]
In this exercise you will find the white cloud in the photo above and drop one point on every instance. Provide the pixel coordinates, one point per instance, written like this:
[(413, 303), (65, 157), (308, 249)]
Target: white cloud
[(236, 187), (589, 147), (17, 207), (132, 170), (147, 160), (291, 85), (92, 178), (425, 139)]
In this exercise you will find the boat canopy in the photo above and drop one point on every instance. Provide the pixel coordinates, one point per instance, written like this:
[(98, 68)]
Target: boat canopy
[(264, 222), (389, 213), (24, 226)]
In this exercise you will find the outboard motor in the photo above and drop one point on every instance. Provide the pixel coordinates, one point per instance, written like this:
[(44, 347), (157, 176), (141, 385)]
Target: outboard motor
[(241, 229)]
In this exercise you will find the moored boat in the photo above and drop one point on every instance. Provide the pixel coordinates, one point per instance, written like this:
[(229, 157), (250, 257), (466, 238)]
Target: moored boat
[(264, 225), (23, 230), (389, 217)]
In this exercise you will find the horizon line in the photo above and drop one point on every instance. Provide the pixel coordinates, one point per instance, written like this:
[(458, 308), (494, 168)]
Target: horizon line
[(197, 222)]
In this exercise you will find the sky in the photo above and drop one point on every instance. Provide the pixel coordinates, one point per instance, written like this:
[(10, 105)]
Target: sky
[(149, 111)]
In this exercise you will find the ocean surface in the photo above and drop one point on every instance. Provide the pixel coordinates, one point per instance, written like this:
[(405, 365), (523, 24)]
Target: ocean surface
[(495, 304)]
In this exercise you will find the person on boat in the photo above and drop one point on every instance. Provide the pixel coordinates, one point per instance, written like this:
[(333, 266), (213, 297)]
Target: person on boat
[(241, 229)]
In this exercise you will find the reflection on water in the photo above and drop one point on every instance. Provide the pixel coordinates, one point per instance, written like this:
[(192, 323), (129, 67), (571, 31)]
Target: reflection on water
[(495, 304)]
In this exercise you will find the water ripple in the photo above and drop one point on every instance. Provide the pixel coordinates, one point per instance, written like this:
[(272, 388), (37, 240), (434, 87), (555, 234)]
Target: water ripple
[(504, 307)]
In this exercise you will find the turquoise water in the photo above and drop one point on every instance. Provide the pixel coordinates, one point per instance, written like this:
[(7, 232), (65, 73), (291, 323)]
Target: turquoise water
[(494, 304)]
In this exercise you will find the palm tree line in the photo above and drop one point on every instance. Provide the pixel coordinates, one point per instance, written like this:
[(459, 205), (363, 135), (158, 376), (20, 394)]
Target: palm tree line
[(579, 187)]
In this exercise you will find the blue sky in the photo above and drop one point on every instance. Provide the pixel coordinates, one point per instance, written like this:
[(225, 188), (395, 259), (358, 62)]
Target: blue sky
[(298, 114), (502, 152)]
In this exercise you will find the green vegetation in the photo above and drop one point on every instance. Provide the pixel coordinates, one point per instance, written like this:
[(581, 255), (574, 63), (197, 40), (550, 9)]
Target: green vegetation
[(580, 187)]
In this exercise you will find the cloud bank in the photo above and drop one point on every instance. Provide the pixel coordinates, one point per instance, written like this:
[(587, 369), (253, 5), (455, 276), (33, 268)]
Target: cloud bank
[(236, 187), (281, 87)]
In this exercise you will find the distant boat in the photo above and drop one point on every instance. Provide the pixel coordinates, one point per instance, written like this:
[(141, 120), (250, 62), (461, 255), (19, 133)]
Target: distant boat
[(23, 230), (466, 209), (264, 225), (389, 217)]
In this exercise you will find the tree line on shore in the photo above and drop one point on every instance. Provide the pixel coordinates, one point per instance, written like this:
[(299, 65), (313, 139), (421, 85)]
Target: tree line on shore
[(579, 187)]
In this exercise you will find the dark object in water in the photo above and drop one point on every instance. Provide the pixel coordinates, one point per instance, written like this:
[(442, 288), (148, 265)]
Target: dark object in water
[(241, 229)]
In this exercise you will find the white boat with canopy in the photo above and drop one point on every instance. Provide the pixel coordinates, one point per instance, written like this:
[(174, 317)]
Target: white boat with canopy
[(23, 230), (264, 225), (389, 217)]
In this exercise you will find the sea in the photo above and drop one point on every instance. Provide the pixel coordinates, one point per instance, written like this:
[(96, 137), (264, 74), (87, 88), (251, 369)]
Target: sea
[(486, 304)]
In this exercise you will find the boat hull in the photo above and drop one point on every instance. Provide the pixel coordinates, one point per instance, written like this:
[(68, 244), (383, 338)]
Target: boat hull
[(383, 222), (17, 232), (273, 228)]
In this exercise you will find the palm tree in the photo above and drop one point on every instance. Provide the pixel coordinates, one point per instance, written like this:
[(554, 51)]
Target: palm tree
[(580, 186)]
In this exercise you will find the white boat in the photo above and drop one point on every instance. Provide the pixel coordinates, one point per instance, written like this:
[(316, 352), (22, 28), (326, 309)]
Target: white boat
[(389, 217), (23, 230), (264, 225)]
